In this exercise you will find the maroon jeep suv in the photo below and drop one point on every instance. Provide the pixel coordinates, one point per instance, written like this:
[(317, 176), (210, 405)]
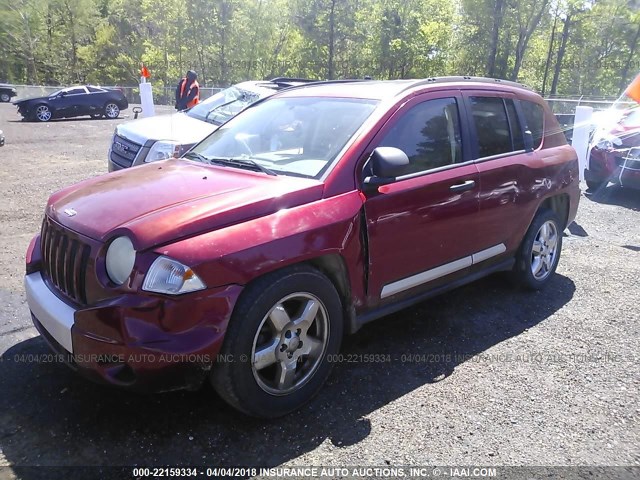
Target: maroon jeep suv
[(309, 214)]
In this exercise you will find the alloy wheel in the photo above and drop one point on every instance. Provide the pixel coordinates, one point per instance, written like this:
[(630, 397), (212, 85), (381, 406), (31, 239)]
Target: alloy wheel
[(289, 344), (543, 253), (43, 113), (111, 110)]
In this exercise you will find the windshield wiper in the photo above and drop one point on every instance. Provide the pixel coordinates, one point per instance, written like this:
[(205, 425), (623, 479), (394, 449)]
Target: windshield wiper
[(197, 156), (244, 163)]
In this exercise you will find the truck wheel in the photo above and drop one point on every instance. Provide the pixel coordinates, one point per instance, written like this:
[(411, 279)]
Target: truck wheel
[(5, 97), (539, 252), (275, 355)]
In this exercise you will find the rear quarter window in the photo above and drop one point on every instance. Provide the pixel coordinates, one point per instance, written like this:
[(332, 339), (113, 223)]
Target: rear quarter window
[(534, 116)]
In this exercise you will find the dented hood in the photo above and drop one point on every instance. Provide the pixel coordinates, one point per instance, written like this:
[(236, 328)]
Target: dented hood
[(160, 203)]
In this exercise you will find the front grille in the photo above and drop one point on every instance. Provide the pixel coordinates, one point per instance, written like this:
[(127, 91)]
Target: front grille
[(123, 151), (65, 260)]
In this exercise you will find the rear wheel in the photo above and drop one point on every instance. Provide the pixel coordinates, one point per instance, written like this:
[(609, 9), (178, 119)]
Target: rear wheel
[(539, 252), (111, 110), (276, 350), (5, 97), (42, 113)]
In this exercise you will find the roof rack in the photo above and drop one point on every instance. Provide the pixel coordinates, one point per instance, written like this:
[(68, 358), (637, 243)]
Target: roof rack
[(467, 78), (409, 83), (305, 83), (289, 80)]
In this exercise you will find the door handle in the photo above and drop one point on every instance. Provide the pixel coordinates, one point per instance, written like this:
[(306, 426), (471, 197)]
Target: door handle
[(463, 187)]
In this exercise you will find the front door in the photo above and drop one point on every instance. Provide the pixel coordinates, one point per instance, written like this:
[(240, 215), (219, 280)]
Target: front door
[(421, 227), (66, 103)]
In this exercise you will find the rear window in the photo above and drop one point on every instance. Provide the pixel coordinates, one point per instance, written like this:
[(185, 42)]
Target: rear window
[(516, 128), (534, 116), (492, 126)]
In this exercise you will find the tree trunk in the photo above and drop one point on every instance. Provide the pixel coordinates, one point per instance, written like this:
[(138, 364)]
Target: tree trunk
[(524, 36), (520, 46), (561, 50), (495, 35), (549, 54), (32, 70), (71, 23), (332, 26), (625, 71), (502, 63)]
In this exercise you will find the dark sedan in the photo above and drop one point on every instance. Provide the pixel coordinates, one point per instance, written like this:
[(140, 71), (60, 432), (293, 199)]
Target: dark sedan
[(76, 101), (6, 92)]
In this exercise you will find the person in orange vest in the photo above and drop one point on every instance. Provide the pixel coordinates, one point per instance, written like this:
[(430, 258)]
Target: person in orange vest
[(187, 91)]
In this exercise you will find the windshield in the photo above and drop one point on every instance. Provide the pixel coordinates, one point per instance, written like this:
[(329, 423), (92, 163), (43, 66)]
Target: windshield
[(220, 107), (297, 136)]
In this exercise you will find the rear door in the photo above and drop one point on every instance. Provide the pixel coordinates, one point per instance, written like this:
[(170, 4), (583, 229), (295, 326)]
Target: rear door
[(421, 227), (503, 161)]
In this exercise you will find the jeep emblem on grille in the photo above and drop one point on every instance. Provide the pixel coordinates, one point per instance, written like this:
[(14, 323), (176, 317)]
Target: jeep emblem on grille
[(70, 211)]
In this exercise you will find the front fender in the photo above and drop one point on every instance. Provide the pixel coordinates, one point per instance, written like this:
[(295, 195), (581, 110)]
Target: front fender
[(240, 253)]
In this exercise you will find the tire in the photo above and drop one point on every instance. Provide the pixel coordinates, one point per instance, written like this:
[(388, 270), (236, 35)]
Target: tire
[(593, 185), (269, 331), (111, 111), (539, 252), (5, 97), (42, 113)]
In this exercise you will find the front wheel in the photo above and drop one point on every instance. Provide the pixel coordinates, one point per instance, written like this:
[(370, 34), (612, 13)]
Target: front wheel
[(42, 113), (539, 252), (276, 352), (111, 111), (5, 97)]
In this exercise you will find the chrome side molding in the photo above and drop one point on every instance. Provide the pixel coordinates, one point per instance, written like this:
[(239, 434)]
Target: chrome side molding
[(441, 271)]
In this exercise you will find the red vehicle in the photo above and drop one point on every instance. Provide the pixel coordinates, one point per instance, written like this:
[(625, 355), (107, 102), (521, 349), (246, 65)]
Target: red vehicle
[(309, 214), (615, 156)]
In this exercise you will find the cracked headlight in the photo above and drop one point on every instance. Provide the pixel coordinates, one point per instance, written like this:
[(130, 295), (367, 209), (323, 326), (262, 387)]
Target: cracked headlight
[(171, 277)]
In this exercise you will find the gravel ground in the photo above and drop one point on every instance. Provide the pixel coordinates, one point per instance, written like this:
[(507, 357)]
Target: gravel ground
[(497, 377)]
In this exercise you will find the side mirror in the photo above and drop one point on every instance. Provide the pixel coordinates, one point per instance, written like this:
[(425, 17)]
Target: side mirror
[(387, 163)]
